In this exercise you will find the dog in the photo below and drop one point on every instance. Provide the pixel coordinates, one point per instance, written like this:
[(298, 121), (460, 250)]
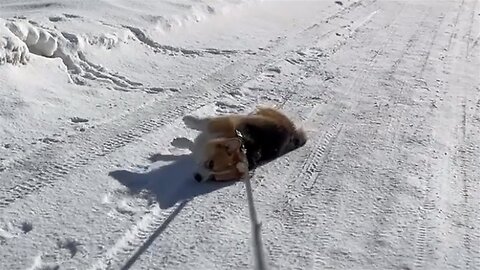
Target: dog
[(229, 146)]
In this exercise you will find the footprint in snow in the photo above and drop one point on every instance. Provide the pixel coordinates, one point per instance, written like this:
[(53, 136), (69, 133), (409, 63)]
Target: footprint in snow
[(26, 227), (69, 244)]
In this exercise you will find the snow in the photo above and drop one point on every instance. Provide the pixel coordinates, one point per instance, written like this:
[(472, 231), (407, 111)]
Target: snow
[(94, 169)]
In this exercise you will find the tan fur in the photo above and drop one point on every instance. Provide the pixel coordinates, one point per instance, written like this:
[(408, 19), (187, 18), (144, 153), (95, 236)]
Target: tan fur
[(225, 158), (216, 132)]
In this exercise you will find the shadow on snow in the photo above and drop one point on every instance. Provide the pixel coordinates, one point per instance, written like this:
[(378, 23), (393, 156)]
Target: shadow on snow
[(170, 183)]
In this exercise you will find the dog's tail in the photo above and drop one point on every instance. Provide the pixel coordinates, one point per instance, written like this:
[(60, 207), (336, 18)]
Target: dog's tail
[(194, 122)]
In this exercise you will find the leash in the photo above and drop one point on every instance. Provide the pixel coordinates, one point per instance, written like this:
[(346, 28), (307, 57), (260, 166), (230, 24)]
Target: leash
[(256, 225)]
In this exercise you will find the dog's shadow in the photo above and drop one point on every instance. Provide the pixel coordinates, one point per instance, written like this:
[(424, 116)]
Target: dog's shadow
[(170, 183)]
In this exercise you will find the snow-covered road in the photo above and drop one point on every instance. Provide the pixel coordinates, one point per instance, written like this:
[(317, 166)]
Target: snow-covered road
[(388, 92)]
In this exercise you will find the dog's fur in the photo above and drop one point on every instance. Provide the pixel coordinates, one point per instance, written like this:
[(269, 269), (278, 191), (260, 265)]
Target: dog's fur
[(267, 134)]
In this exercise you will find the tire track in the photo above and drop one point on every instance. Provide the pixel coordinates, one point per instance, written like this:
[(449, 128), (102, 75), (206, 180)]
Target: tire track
[(292, 207), (466, 155), (454, 25), (51, 172), (26, 160), (324, 151), (37, 174), (309, 169), (472, 199), (50, 149), (189, 93), (429, 204), (123, 248), (389, 187), (410, 43), (320, 149), (358, 83), (396, 97), (140, 236), (297, 198), (392, 184), (465, 178), (137, 239), (143, 232), (468, 36)]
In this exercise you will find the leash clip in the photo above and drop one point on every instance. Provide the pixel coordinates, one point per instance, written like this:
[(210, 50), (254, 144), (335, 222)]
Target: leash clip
[(241, 137)]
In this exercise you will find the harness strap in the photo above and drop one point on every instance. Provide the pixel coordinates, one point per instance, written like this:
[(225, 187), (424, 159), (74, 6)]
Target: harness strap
[(242, 139)]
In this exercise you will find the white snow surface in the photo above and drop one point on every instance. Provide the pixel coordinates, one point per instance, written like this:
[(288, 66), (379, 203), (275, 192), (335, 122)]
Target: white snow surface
[(92, 94)]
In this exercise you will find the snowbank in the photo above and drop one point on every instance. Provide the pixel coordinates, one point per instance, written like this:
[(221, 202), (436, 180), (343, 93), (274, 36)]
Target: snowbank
[(12, 49)]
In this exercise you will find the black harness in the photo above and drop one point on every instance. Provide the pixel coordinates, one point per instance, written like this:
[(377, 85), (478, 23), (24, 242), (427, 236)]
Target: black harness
[(260, 144), (243, 148)]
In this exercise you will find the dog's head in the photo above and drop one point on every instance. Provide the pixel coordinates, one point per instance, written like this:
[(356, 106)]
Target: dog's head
[(223, 159), (222, 154)]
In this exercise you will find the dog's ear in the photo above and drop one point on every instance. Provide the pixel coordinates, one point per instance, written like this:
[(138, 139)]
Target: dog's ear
[(232, 144)]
